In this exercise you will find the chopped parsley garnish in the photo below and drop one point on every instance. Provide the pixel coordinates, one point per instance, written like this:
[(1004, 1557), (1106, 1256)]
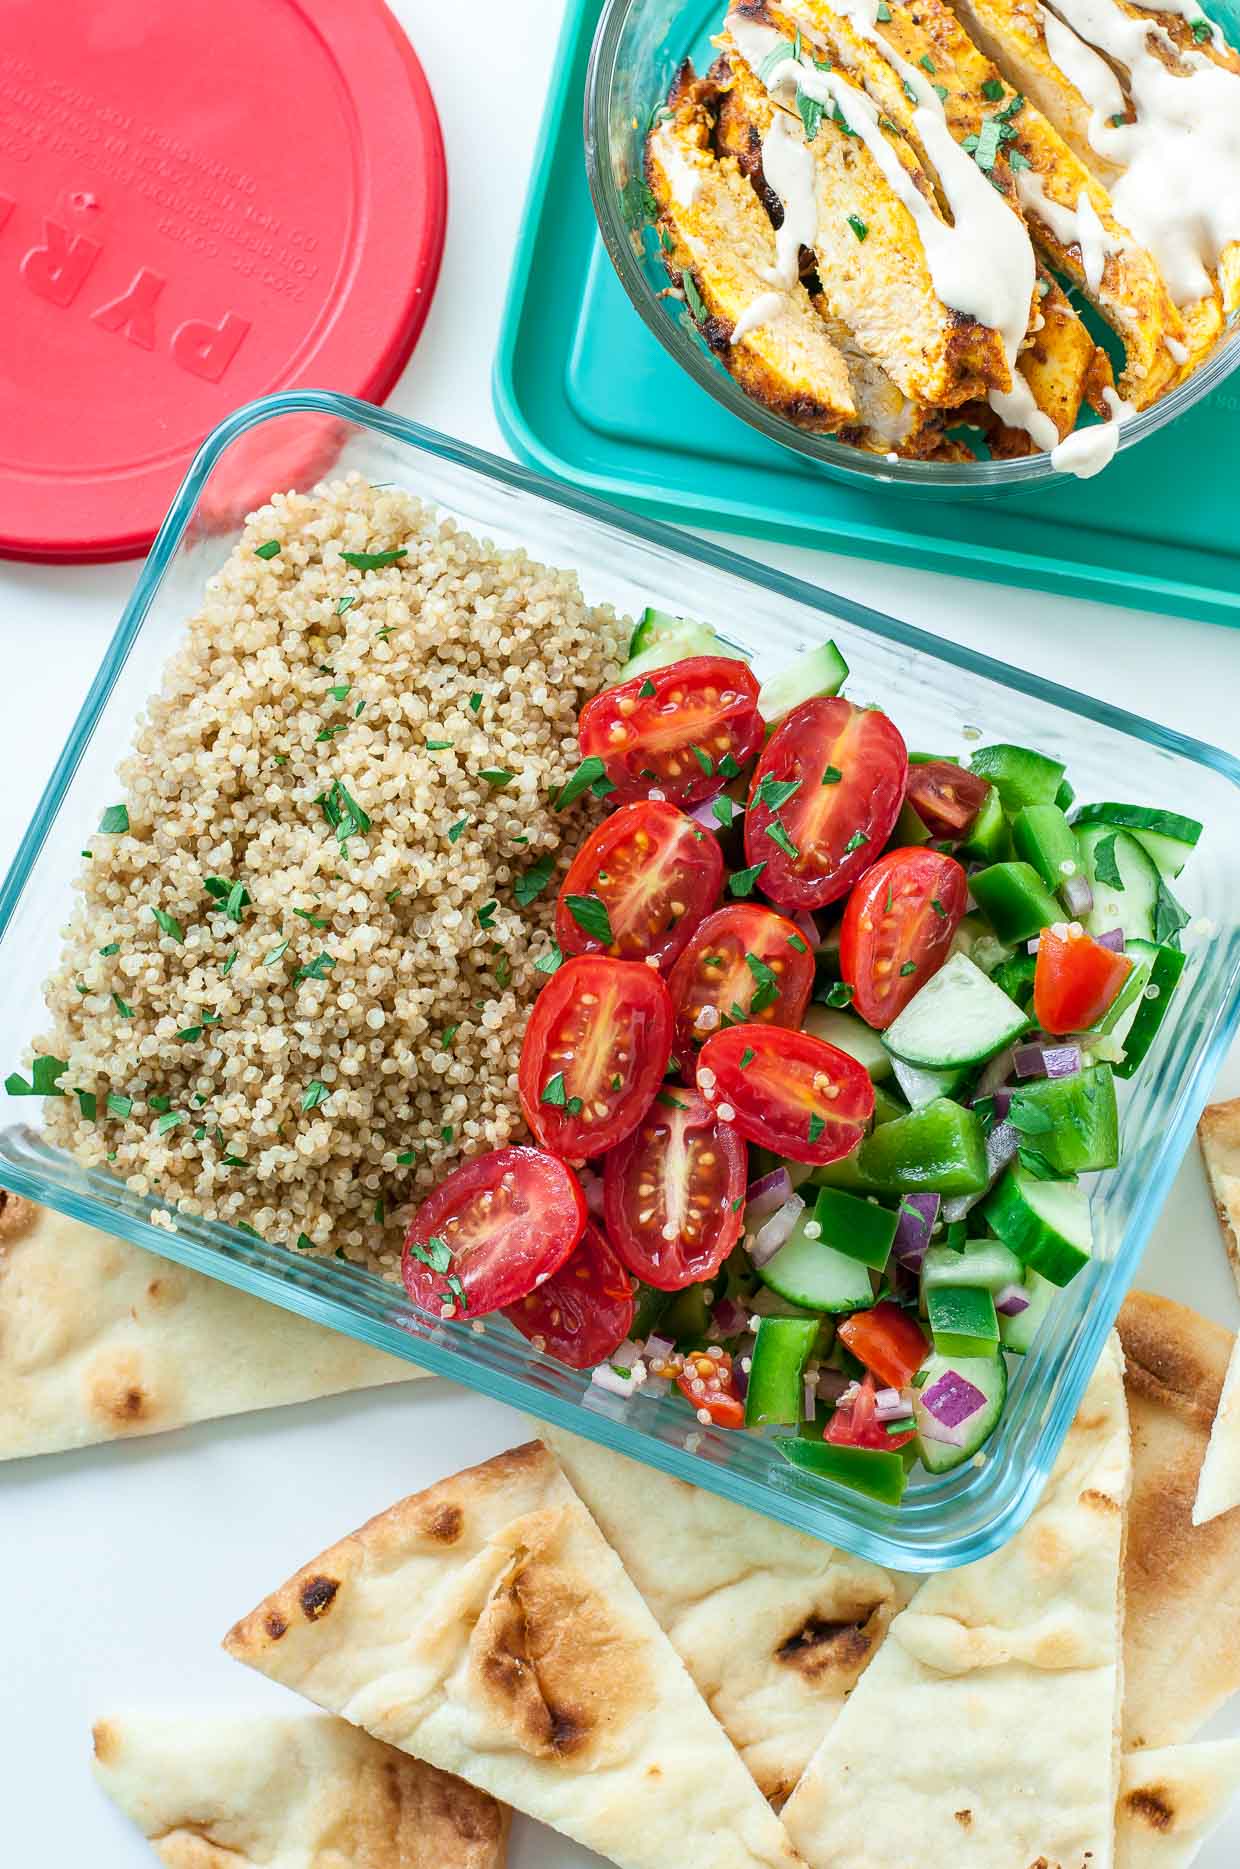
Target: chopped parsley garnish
[(855, 842), (45, 1076), (86, 1104), (117, 1105), (937, 906), (1017, 160), (317, 969), (192, 1033), (1169, 916), (234, 896), (503, 971), (1106, 869), (776, 792), (672, 1103), (728, 767), (341, 691), (441, 746), (551, 961), (858, 226), (159, 1103), (832, 776), (910, 966), (795, 941), (447, 1132), (316, 1092), (988, 140), (747, 1058), (926, 63), (497, 777), (778, 835), (115, 820), (646, 689), (724, 810), (590, 914), (883, 15), (1118, 121), (315, 921), (455, 830), (446, 1037), (125, 1011), (229, 964), (617, 1082), (406, 1157), (343, 813), (992, 90), (169, 923), (169, 1120), (113, 947), (587, 772), (380, 1212), (343, 604), (304, 1243), (531, 883), (1202, 30), (270, 550), (768, 983), (1036, 1164), (693, 298), (908, 90), (704, 760), (1011, 109), (1028, 1117), (742, 881), (555, 1091), (329, 733), (840, 993), (486, 914), (816, 1126), (475, 701), (374, 561)]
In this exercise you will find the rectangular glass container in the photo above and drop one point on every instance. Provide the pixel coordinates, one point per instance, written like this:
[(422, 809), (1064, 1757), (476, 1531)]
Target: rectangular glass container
[(942, 697)]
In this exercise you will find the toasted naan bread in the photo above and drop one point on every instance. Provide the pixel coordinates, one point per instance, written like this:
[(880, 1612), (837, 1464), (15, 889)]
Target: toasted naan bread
[(985, 1730), (253, 1791), (1218, 1133), (486, 1626), (774, 1627), (1182, 1582), (100, 1341), (1170, 1800)]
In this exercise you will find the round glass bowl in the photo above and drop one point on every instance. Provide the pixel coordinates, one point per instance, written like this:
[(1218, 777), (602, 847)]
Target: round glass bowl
[(638, 48)]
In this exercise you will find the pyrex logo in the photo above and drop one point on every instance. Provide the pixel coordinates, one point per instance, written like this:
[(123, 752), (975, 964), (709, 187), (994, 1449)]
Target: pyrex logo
[(58, 266)]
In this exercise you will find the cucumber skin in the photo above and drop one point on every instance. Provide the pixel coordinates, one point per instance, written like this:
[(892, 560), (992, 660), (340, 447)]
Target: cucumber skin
[(1167, 837), (1020, 775), (1168, 964), (906, 1037), (786, 1272), (1073, 1146), (1132, 907), (1020, 1227), (820, 671), (981, 1371)]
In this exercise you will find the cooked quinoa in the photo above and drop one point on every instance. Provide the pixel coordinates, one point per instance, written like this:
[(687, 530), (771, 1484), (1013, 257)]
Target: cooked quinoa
[(294, 988)]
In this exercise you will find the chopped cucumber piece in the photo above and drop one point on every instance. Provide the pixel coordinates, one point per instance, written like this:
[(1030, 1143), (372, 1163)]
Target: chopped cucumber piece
[(1017, 1333), (962, 1320), (859, 1228), (1046, 1223), (1137, 1030), (987, 837), (780, 1353), (939, 1149), (849, 1033), (958, 1017), (1015, 899), (886, 1106), (1019, 775), (921, 1087), (988, 1375), (1072, 1121), (984, 949), (819, 671), (1167, 836), (1126, 892), (988, 1264), (1065, 797), (808, 1273), (868, 1470), (909, 829), (660, 639), (1042, 836)]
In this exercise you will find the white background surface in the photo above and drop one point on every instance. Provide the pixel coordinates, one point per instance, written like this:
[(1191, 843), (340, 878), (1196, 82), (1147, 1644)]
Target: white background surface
[(122, 1567)]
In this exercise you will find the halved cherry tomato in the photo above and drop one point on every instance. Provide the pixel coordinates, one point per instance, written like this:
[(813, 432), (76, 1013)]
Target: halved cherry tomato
[(788, 1092), (1075, 979), (684, 729), (709, 1385), (584, 1311), (888, 1341), (491, 1231), (945, 796), (745, 963), (825, 796), (595, 1050), (657, 874), (858, 1425), (673, 1193), (898, 927)]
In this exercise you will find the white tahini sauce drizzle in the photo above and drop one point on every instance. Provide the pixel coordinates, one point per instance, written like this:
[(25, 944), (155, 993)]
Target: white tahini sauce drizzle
[(1082, 67), (1185, 9), (1178, 352), (1078, 226), (982, 264), (1180, 187), (788, 165), (683, 179), (1086, 451), (758, 312)]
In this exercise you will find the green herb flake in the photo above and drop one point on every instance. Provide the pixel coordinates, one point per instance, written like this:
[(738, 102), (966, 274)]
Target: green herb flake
[(497, 777), (778, 835), (1202, 30), (728, 767), (87, 1104), (374, 561), (475, 701), (858, 226), (1169, 917), (317, 969), (192, 1033), (341, 691), (587, 772), (795, 942), (531, 883), (590, 914), (117, 1105), (832, 776), (937, 906), (723, 810), (811, 112), (775, 792), (988, 141), (441, 746), (855, 842), (1029, 1117), (113, 947), (343, 604), (343, 813), (646, 689), (315, 921), (270, 550), (742, 881), (45, 1076), (926, 63), (816, 1126), (554, 1091), (1106, 868), (1036, 1164), (1011, 109), (747, 1058), (704, 760), (670, 1102), (125, 1011), (1118, 121), (169, 924), (1017, 160), (446, 1037), (909, 967), (839, 994), (617, 1082), (551, 961), (883, 15), (115, 821), (693, 298), (992, 90), (304, 1243)]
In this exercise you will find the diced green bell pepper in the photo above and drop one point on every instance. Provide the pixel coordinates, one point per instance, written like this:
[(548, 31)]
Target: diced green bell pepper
[(1015, 976), (1042, 837), (1021, 776), (1072, 1121), (873, 1471), (940, 1148), (1015, 899), (780, 1353), (987, 839), (857, 1227), (963, 1320)]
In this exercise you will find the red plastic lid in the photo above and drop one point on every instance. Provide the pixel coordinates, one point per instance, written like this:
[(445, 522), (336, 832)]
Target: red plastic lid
[(200, 202)]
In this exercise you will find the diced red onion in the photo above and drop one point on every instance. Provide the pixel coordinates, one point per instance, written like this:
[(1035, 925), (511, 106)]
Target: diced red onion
[(729, 1319), (766, 1196), (1001, 1145), (1113, 938), (773, 1233), (1031, 947), (1012, 1300), (952, 1400), (809, 1395), (808, 928), (704, 814), (832, 1384), (592, 1188), (1000, 1098), (1041, 1060), (997, 1072), (889, 1405), (918, 1213), (740, 1380), (1078, 897)]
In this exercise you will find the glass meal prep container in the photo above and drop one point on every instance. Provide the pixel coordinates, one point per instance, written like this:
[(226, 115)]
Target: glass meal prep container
[(939, 696), (638, 47)]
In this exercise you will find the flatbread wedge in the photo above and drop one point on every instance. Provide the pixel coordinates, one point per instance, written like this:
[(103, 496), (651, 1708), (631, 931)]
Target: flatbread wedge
[(100, 1341), (1218, 1488), (775, 1628), (487, 1627), (1170, 1800), (261, 1792), (1218, 1133), (997, 1689), (1182, 1582)]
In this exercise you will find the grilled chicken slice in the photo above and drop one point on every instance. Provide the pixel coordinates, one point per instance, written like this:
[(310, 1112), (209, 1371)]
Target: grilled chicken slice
[(867, 249), (1062, 366), (1069, 213), (716, 234)]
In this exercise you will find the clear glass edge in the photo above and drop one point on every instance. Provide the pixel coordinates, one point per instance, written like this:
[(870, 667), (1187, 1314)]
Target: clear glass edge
[(824, 1512), (940, 479)]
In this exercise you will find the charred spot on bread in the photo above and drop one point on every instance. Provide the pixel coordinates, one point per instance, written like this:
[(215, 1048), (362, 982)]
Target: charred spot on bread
[(275, 1625), (820, 1647), (1151, 1805), (317, 1595)]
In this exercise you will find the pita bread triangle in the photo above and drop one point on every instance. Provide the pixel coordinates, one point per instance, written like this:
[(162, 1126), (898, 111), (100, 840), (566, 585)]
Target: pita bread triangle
[(1218, 1134), (289, 1793), (1219, 1487), (486, 1626), (774, 1627), (1170, 1800), (103, 1341), (1181, 1581), (996, 1693)]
